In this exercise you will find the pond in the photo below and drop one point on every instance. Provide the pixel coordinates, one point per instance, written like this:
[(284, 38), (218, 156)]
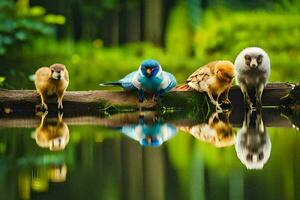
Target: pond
[(150, 155)]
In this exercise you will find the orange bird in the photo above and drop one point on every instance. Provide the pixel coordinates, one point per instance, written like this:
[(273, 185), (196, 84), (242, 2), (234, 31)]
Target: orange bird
[(213, 78)]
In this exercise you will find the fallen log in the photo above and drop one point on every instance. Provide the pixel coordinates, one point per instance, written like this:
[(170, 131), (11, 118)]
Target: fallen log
[(271, 116), (20, 101)]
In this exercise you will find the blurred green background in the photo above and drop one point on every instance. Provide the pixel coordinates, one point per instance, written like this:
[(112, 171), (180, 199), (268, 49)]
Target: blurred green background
[(104, 40)]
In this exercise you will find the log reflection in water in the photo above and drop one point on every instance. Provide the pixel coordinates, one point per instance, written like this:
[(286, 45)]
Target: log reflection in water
[(272, 117)]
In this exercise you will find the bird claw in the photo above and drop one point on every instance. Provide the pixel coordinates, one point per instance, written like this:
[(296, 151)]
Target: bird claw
[(60, 115), (60, 106), (44, 107), (155, 98), (226, 104), (45, 114), (218, 107), (258, 105), (248, 105), (141, 96)]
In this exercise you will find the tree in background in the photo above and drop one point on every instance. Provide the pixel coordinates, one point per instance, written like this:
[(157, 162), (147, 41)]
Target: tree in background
[(21, 24)]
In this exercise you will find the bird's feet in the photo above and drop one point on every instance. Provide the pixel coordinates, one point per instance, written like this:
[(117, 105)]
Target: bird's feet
[(141, 100), (217, 104), (156, 97), (141, 118), (218, 107), (248, 105), (60, 115), (59, 105), (226, 104), (141, 96), (44, 114), (258, 105), (44, 108), (158, 94)]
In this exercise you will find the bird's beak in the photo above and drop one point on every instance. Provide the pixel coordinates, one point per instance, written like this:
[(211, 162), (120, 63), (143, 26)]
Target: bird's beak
[(149, 71)]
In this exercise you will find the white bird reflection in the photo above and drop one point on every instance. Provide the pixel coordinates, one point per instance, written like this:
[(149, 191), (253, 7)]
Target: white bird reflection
[(253, 145)]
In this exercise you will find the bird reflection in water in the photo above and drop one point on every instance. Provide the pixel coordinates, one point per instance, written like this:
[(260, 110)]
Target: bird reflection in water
[(52, 133), (253, 145), (152, 134), (217, 131), (58, 173)]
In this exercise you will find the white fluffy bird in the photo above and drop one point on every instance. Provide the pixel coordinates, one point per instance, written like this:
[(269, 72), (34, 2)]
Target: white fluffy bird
[(253, 72)]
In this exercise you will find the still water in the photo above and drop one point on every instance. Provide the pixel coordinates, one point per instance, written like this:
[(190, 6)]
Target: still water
[(148, 155)]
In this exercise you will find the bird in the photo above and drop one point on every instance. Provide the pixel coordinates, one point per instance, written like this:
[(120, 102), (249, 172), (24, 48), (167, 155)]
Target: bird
[(253, 144), (52, 80), (149, 134), (148, 78), (253, 71), (213, 78), (217, 131), (52, 133)]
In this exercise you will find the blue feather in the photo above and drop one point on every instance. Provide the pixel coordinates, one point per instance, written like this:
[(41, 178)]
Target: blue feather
[(150, 134), (126, 82), (157, 83)]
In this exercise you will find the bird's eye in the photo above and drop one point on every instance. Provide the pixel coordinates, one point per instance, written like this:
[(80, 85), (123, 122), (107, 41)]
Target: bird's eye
[(259, 59), (249, 157), (260, 155), (247, 57)]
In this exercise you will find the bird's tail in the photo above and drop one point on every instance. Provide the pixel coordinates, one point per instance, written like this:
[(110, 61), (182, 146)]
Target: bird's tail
[(182, 87), (111, 84)]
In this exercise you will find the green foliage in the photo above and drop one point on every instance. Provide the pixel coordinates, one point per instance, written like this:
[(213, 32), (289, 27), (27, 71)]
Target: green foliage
[(2, 79), (223, 37), (178, 42), (219, 37), (90, 65), (21, 23)]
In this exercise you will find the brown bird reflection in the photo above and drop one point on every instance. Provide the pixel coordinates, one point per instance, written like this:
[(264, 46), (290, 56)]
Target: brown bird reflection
[(253, 145), (218, 131), (52, 133), (58, 173)]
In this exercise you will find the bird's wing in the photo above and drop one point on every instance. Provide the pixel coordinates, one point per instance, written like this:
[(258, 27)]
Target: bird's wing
[(132, 131), (168, 131), (198, 79), (168, 82), (203, 132), (126, 82), (136, 80)]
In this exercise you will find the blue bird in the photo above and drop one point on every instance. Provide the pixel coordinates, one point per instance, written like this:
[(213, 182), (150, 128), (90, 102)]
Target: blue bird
[(148, 78), (149, 134)]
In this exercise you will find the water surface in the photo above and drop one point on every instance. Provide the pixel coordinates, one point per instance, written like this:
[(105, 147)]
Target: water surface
[(150, 155)]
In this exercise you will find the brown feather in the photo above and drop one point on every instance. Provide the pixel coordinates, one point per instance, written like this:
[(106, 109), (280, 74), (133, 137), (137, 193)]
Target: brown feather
[(182, 87)]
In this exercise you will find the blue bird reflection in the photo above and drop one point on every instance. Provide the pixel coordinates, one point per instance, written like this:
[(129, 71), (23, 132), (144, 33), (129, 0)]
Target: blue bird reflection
[(149, 134)]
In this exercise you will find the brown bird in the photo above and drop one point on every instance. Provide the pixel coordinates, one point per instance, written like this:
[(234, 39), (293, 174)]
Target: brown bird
[(217, 131), (52, 80), (213, 78), (52, 133)]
